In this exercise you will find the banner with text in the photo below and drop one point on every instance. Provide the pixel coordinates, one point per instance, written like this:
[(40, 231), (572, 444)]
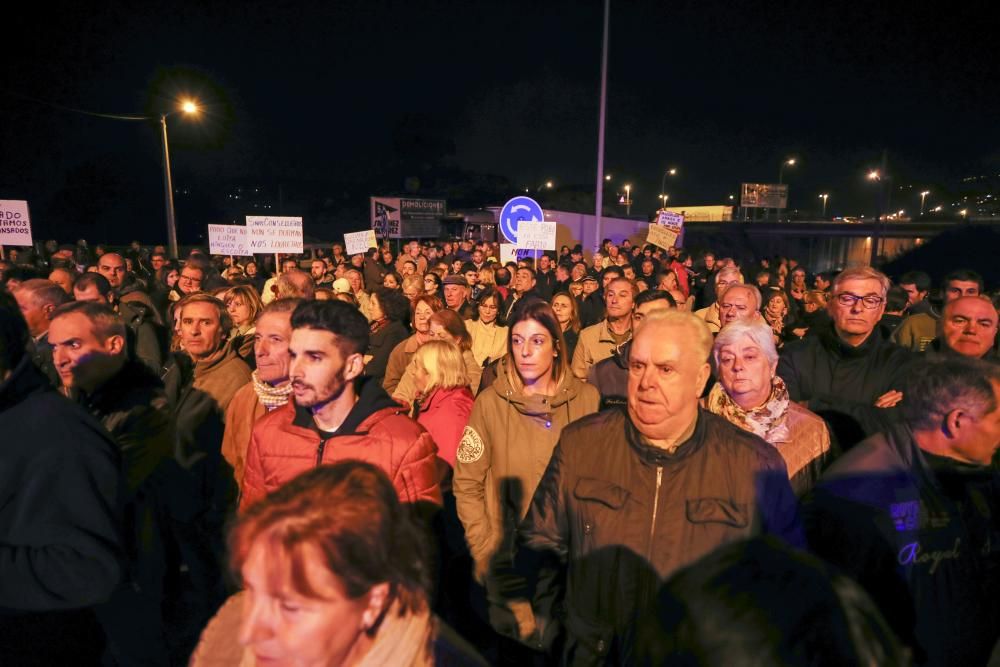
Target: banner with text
[(763, 195), (15, 223), (661, 235), (267, 234), (536, 235), (228, 240), (674, 222), (509, 252), (359, 242), (400, 217)]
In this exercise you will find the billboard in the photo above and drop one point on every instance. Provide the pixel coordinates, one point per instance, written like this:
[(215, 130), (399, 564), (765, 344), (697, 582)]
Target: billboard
[(400, 217), (763, 195)]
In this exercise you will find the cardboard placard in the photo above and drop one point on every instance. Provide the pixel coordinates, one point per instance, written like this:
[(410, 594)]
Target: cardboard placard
[(15, 223), (661, 235), (228, 240), (536, 235), (267, 234), (359, 242)]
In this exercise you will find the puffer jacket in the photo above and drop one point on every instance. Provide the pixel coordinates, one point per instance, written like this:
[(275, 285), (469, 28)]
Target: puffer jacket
[(286, 442), (445, 414), (623, 515), (503, 453), (841, 383)]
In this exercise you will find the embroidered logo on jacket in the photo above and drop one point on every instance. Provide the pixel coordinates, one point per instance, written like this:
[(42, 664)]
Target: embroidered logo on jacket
[(470, 449)]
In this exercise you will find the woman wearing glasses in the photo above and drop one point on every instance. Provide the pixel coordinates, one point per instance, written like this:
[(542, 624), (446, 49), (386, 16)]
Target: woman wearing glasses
[(489, 339)]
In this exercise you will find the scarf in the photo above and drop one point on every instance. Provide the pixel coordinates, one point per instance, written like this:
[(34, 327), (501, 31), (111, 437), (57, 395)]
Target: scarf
[(767, 420), (270, 397), (378, 325)]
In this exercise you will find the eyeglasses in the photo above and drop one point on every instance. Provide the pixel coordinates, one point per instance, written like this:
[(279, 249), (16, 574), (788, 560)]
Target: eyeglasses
[(189, 279), (871, 302)]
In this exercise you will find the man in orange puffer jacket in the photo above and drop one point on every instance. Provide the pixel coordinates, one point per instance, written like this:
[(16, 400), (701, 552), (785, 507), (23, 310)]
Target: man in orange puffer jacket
[(337, 414)]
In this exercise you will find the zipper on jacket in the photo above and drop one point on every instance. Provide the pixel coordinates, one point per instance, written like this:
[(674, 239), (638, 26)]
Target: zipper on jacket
[(319, 453), (656, 503)]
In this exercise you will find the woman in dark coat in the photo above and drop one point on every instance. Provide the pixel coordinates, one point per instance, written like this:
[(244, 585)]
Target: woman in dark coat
[(390, 311)]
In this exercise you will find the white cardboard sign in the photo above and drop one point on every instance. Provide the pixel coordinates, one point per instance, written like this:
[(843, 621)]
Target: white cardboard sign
[(359, 242), (15, 223), (267, 234), (661, 235), (536, 235), (228, 240)]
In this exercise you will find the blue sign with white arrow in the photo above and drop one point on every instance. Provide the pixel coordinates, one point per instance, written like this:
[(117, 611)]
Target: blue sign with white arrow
[(516, 210)]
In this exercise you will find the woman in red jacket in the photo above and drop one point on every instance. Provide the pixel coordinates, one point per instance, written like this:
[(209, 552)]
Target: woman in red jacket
[(444, 400)]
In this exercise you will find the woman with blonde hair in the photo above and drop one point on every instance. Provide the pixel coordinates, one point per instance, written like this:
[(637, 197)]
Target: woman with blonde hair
[(243, 306), (514, 426), (443, 325), (443, 400)]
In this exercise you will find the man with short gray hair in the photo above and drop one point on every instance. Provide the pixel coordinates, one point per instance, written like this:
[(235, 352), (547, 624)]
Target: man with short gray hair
[(668, 483), (848, 373), (911, 514), (725, 277)]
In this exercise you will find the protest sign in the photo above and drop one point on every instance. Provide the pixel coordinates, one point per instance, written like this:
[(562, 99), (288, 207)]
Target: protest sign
[(228, 240), (359, 242), (267, 234), (536, 235), (15, 223), (661, 235)]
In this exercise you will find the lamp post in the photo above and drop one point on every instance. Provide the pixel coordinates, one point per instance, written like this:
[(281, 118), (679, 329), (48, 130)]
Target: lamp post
[(824, 197), (628, 200), (663, 182), (790, 162), (188, 107), (923, 196)]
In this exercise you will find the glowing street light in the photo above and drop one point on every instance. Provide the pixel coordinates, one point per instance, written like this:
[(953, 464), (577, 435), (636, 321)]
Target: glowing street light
[(824, 197), (607, 177), (628, 199), (672, 171), (790, 162), (190, 108), (874, 175), (663, 199), (923, 196), (937, 209), (964, 212)]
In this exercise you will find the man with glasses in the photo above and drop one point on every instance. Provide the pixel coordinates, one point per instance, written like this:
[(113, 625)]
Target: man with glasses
[(712, 314), (188, 282), (848, 373)]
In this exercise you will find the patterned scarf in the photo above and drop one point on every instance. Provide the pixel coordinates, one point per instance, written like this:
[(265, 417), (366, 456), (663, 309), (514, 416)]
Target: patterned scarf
[(270, 397), (767, 421)]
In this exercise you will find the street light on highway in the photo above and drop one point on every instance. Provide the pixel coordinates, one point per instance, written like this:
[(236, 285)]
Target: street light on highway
[(824, 197), (790, 162), (628, 199), (672, 171), (923, 196), (190, 108)]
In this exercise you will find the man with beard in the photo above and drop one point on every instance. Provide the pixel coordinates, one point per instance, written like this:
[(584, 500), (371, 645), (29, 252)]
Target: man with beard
[(337, 413)]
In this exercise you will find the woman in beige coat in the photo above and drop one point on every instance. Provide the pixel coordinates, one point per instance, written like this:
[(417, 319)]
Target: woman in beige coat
[(514, 427)]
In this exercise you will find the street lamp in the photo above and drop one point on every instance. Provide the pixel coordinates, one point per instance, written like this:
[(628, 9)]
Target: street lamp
[(824, 197), (189, 107), (923, 196), (790, 162), (607, 177), (663, 200), (964, 212), (628, 199), (672, 171)]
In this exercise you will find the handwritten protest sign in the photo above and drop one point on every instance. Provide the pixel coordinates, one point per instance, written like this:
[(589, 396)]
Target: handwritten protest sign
[(228, 240), (15, 223), (267, 234), (359, 242)]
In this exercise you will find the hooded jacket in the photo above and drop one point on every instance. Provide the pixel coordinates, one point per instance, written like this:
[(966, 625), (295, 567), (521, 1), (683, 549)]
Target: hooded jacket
[(841, 383), (287, 442), (503, 453)]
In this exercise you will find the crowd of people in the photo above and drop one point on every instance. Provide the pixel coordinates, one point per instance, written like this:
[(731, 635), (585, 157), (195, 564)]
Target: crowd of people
[(634, 456)]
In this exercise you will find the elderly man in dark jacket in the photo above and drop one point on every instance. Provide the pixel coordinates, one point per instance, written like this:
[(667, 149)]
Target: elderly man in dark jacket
[(90, 354), (60, 540), (912, 514), (630, 496), (849, 374)]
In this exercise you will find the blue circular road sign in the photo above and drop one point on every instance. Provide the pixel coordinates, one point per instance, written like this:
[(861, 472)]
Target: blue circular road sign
[(516, 210)]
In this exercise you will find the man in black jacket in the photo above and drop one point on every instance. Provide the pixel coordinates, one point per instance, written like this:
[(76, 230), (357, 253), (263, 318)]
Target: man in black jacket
[(90, 355), (60, 537), (849, 374), (911, 514)]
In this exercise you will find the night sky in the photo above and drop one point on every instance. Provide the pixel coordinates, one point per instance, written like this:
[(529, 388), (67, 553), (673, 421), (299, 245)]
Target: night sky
[(337, 101)]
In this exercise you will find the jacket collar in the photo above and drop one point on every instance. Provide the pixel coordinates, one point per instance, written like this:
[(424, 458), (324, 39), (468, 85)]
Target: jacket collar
[(834, 344), (371, 399), (653, 455)]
